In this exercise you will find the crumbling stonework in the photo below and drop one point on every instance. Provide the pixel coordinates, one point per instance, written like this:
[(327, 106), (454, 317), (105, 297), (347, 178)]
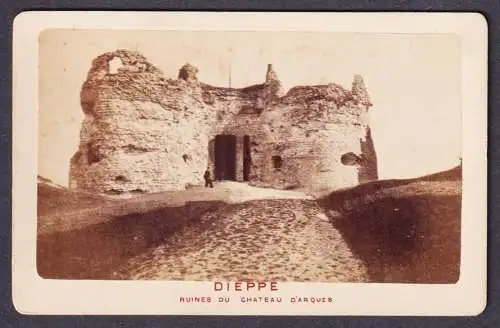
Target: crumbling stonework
[(143, 132)]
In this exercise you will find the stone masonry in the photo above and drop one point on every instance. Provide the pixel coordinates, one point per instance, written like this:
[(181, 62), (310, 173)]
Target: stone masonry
[(144, 132)]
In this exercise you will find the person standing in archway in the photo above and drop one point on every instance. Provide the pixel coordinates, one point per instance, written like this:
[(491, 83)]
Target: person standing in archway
[(208, 178)]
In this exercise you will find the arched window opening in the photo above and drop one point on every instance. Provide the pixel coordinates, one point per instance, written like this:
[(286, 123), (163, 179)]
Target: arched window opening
[(350, 159), (120, 178), (277, 162), (114, 65)]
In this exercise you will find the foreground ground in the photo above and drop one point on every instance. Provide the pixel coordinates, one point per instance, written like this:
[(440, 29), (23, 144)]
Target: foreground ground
[(388, 231)]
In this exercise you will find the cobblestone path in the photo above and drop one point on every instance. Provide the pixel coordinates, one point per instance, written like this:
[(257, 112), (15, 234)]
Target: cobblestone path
[(270, 239)]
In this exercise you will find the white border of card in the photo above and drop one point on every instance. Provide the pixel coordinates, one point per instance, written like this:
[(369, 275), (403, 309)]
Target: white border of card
[(34, 295)]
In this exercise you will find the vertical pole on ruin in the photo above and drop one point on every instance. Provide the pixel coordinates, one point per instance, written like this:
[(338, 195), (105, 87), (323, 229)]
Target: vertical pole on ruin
[(230, 67)]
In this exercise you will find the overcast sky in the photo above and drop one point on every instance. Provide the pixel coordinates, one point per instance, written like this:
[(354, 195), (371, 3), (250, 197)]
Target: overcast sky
[(413, 80)]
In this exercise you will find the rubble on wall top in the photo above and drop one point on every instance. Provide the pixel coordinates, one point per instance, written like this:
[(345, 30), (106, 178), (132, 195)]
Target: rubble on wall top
[(188, 73), (271, 75), (262, 95), (359, 90), (132, 61), (315, 92)]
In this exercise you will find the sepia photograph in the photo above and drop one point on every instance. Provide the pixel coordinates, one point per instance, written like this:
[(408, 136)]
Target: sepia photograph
[(246, 159), (243, 156)]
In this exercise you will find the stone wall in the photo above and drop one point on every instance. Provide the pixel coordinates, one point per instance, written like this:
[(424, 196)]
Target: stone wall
[(137, 127), (143, 132)]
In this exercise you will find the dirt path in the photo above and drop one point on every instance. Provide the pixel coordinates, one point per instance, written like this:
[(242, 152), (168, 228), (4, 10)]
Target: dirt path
[(270, 239)]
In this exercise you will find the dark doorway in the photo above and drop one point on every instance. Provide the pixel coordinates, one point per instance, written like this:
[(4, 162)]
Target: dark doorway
[(246, 158), (277, 162), (225, 157)]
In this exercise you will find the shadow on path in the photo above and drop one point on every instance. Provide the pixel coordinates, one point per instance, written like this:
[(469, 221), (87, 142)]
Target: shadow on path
[(95, 251), (410, 239)]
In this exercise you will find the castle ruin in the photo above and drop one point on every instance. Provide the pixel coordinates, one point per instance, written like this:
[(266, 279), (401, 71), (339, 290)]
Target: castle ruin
[(144, 132)]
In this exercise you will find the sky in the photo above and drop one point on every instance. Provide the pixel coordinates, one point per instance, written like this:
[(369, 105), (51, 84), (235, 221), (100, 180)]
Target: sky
[(414, 81)]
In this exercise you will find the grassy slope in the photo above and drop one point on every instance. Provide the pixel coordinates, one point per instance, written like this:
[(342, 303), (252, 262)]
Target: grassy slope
[(405, 230), (82, 236)]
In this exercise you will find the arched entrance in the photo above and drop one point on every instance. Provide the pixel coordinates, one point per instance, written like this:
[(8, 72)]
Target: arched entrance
[(225, 157), (247, 161)]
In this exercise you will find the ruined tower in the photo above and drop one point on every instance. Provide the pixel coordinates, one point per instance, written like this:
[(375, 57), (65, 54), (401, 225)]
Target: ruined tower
[(143, 132)]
